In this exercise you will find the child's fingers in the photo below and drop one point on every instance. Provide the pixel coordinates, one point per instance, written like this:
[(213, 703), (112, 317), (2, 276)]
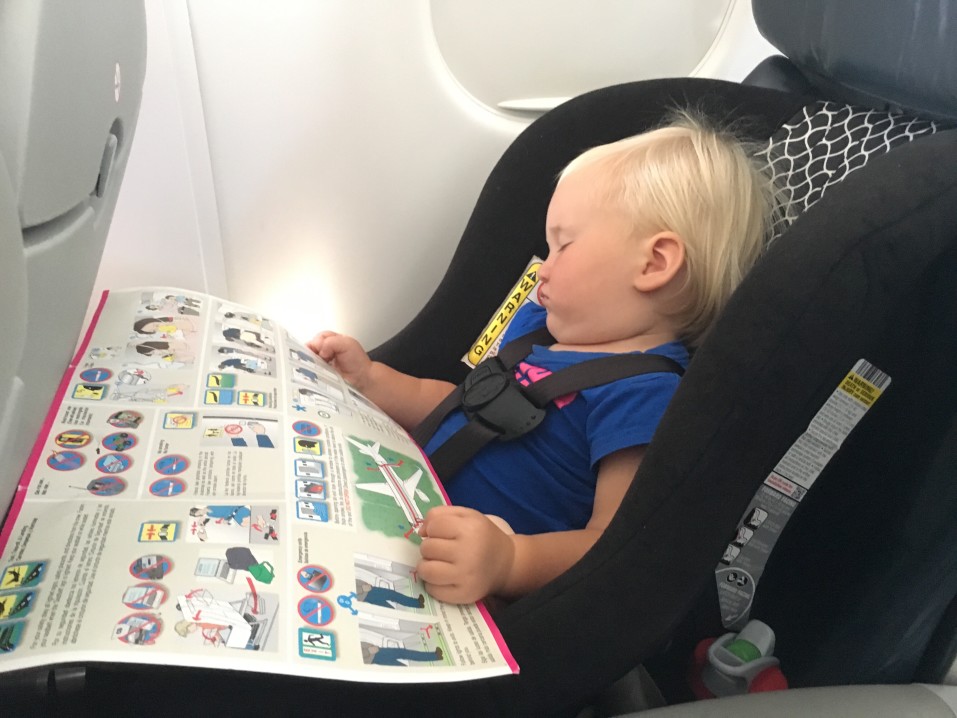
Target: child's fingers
[(443, 521), (332, 345), (446, 583), (317, 341), (437, 573), (438, 549), (449, 511)]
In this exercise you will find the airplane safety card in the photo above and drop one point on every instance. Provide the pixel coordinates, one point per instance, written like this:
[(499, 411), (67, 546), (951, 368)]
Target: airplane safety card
[(207, 492)]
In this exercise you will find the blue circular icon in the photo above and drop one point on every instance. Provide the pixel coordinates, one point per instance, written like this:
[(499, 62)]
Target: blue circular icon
[(65, 460), (315, 611), (151, 567), (305, 428), (106, 486), (167, 487), (119, 441), (96, 375), (171, 464), (113, 463), (139, 629), (314, 578), (125, 419)]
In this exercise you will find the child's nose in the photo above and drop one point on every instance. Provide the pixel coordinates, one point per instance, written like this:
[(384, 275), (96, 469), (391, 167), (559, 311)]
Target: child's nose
[(544, 270)]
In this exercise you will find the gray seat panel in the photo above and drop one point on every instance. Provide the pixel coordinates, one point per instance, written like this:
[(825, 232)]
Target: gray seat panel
[(71, 76)]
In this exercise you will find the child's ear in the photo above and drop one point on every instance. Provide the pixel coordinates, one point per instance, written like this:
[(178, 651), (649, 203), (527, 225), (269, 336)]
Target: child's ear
[(662, 258)]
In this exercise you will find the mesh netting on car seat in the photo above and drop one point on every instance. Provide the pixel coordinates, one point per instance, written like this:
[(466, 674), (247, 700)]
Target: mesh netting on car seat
[(825, 143)]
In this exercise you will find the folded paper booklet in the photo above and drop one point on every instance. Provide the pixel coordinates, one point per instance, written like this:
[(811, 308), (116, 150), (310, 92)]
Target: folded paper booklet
[(207, 492)]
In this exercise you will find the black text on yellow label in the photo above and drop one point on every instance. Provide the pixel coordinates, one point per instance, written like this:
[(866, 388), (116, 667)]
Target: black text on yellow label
[(506, 311)]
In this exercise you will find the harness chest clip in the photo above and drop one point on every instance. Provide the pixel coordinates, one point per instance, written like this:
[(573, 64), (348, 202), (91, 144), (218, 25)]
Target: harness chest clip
[(491, 394)]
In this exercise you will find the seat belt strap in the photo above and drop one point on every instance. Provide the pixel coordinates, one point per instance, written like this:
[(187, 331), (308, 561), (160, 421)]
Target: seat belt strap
[(598, 371), (520, 347), (455, 452), (430, 424), (459, 448), (498, 407), (510, 355), (746, 556)]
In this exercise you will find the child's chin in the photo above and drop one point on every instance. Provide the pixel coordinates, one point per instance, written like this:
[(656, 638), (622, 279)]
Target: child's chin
[(556, 328)]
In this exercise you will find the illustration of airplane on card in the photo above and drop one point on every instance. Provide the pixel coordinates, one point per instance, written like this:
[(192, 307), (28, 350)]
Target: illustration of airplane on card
[(403, 491)]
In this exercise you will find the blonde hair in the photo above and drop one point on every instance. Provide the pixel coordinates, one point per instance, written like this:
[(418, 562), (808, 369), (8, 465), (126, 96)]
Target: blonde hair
[(702, 183)]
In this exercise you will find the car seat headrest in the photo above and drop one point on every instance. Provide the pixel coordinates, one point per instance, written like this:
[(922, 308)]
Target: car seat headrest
[(896, 56), (824, 143)]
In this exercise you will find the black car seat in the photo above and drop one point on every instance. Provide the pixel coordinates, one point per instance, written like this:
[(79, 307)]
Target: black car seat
[(864, 268)]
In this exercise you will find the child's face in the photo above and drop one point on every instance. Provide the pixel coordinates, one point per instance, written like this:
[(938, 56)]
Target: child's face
[(588, 277)]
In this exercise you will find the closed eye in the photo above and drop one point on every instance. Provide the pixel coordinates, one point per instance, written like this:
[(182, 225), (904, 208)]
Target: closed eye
[(558, 238), (557, 242)]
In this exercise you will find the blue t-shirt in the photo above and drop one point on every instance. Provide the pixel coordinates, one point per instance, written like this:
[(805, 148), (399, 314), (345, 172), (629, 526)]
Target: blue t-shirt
[(545, 480)]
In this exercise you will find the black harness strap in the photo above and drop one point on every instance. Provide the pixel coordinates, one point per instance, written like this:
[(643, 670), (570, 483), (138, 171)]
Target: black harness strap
[(498, 407), (510, 355), (598, 371)]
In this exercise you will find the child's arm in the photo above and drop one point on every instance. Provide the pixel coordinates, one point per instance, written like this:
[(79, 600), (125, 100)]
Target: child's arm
[(407, 399), (465, 556)]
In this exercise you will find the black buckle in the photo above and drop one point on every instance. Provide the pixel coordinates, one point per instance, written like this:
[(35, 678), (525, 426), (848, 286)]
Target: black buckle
[(492, 394)]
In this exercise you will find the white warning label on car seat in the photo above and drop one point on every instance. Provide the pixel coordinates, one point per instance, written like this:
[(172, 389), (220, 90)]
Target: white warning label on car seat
[(745, 557)]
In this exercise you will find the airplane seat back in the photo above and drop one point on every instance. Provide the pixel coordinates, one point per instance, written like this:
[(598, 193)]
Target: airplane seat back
[(71, 77), (896, 56), (779, 73), (892, 57)]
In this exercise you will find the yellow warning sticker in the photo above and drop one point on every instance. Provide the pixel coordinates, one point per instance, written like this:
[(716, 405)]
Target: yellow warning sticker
[(860, 388), (496, 326)]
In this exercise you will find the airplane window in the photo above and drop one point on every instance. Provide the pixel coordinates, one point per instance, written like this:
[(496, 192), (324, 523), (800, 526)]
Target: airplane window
[(506, 53)]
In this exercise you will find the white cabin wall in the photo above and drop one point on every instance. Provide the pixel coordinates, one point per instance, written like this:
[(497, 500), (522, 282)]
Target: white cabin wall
[(345, 160), (319, 160)]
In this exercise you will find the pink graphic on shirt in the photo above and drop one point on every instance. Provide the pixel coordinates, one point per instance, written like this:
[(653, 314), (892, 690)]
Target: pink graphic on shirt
[(527, 374)]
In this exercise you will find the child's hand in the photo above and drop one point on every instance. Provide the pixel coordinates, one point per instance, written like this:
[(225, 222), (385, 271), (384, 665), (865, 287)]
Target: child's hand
[(465, 556), (345, 354)]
